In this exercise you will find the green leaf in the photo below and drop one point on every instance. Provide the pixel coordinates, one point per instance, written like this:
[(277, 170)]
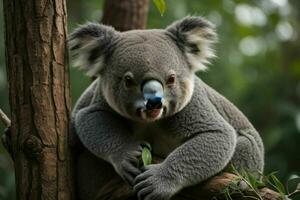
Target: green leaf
[(279, 186), (294, 178), (270, 174), (260, 184), (226, 193), (251, 179), (146, 156), (233, 185), (160, 5), (266, 178)]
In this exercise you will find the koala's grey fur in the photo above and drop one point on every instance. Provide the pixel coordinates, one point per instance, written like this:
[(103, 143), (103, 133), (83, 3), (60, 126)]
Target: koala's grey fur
[(199, 133)]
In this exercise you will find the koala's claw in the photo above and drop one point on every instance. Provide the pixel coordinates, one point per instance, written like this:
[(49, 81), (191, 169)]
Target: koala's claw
[(126, 163), (128, 171), (130, 168), (144, 192), (129, 176), (150, 185), (141, 178)]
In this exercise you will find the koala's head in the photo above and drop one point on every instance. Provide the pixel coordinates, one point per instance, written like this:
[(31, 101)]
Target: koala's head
[(145, 75)]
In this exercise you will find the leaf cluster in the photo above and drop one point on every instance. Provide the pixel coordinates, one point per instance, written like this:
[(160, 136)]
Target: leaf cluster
[(248, 182)]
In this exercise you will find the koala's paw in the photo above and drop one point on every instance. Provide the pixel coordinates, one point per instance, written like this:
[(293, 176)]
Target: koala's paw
[(126, 163), (153, 185)]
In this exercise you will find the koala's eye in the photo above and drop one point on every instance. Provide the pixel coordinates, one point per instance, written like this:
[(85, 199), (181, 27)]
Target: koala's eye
[(128, 80), (171, 80)]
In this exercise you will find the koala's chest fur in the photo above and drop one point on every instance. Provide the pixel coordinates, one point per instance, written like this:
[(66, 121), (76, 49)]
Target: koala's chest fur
[(161, 141)]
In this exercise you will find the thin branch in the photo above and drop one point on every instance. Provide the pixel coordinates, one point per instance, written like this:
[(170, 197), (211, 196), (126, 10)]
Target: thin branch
[(5, 120), (116, 189)]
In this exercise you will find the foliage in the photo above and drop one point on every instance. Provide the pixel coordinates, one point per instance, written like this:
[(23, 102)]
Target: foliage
[(247, 181), (258, 69), (160, 5), (146, 156)]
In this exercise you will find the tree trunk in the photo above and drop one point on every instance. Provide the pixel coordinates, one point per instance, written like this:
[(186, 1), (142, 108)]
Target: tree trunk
[(126, 15), (36, 60)]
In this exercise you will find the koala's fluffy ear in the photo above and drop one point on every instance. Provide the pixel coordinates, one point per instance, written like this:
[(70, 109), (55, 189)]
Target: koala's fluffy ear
[(89, 44), (194, 36)]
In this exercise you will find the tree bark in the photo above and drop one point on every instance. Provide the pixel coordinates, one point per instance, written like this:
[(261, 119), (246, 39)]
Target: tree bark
[(126, 15), (37, 68)]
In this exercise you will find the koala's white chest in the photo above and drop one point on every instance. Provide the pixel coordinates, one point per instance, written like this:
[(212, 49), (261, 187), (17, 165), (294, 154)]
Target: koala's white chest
[(162, 143)]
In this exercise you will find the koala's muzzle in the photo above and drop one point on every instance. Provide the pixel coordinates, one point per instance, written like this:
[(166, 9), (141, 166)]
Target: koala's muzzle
[(153, 99), (153, 94)]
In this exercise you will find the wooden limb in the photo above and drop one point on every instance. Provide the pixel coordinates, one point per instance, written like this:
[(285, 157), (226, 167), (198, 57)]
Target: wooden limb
[(4, 119), (213, 188), (6, 137)]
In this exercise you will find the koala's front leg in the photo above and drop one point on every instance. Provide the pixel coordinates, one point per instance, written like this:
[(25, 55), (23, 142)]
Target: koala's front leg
[(202, 156), (108, 137)]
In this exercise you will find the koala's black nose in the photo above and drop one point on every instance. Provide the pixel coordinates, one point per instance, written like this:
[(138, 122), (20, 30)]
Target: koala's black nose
[(155, 103), (153, 94)]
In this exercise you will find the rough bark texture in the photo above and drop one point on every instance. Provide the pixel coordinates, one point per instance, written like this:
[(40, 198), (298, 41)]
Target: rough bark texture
[(126, 15), (36, 59)]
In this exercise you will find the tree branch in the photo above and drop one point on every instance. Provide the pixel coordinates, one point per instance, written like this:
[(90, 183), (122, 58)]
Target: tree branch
[(213, 188), (6, 137), (4, 119)]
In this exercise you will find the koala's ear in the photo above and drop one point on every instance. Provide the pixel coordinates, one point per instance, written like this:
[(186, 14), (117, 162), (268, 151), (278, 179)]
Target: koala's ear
[(89, 44), (194, 36)]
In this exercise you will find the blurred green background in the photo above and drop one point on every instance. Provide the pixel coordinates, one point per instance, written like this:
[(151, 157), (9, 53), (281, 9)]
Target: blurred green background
[(258, 69)]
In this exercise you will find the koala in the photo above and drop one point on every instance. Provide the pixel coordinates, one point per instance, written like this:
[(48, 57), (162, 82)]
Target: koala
[(146, 94)]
